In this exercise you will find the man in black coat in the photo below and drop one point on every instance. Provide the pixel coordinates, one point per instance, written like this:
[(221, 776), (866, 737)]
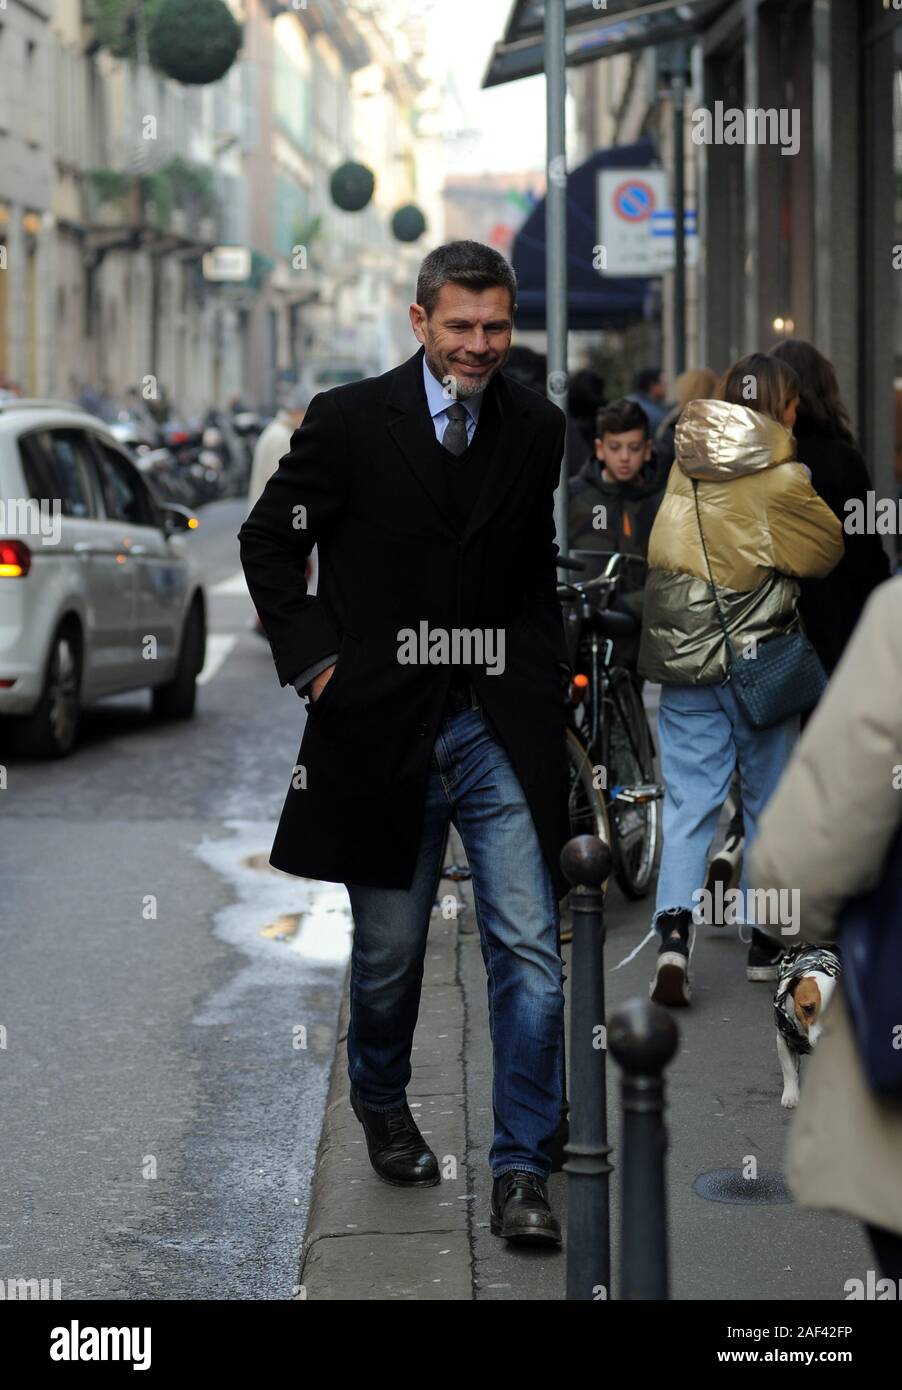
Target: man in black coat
[(435, 661)]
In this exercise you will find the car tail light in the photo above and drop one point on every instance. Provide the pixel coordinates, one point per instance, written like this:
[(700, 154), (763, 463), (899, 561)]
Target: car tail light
[(15, 559)]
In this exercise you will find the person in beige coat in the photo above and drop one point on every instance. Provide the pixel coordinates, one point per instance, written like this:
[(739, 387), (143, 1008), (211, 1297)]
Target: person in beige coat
[(826, 832), (274, 443)]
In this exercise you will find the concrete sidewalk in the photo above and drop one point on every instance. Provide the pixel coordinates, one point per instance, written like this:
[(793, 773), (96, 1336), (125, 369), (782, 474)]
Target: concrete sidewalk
[(367, 1240)]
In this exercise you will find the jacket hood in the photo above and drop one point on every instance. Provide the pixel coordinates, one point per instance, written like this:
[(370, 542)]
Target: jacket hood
[(717, 441), (645, 484)]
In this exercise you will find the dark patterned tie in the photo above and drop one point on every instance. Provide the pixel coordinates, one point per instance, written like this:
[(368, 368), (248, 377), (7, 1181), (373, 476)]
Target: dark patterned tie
[(455, 436)]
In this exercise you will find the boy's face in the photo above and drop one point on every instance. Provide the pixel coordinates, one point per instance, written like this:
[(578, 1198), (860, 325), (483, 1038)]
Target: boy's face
[(622, 455)]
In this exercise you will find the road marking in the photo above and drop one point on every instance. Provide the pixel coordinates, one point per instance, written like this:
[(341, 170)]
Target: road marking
[(218, 648), (236, 584)]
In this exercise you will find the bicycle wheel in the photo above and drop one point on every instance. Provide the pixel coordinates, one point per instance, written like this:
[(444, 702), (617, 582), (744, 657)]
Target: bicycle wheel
[(588, 812), (630, 763)]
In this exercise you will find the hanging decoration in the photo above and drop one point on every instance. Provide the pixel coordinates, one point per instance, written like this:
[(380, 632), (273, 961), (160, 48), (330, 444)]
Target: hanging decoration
[(351, 186), (193, 41), (408, 223)]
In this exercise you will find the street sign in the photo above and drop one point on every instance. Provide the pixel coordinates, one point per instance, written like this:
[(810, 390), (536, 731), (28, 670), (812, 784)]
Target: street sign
[(636, 223), (227, 263), (663, 227)]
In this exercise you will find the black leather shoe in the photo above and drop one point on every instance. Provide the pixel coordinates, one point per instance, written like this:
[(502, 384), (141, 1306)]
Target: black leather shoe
[(397, 1149), (521, 1211)]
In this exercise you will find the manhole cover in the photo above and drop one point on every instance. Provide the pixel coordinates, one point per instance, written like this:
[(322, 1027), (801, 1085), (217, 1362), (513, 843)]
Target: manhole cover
[(731, 1185)]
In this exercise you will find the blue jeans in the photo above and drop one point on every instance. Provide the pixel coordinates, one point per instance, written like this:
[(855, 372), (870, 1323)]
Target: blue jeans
[(704, 736), (472, 784)]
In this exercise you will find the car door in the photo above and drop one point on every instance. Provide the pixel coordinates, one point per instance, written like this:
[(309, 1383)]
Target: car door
[(161, 573), (58, 464)]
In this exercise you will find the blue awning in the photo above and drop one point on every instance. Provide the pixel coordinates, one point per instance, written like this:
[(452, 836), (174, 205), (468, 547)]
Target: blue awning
[(594, 301)]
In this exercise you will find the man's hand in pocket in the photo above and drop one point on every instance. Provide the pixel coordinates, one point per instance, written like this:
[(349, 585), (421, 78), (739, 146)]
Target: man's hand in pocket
[(319, 683)]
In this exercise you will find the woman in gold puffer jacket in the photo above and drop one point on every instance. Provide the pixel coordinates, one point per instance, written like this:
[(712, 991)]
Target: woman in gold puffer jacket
[(765, 528)]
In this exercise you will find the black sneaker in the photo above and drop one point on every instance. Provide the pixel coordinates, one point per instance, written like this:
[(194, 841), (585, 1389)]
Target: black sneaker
[(671, 983), (763, 958), (726, 866)]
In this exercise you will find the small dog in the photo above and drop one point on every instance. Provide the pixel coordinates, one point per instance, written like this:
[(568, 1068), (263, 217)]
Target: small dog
[(807, 979)]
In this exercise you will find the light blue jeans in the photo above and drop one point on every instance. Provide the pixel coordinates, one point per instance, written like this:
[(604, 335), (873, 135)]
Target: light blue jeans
[(703, 737)]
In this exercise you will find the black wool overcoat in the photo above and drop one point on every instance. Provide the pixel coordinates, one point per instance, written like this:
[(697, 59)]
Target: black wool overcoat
[(363, 480)]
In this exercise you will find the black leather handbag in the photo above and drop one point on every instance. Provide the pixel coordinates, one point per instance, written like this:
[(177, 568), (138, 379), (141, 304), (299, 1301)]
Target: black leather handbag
[(783, 678)]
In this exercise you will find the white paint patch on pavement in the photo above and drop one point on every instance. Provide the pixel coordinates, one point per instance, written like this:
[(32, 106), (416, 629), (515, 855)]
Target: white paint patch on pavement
[(219, 645), (235, 584), (323, 939)]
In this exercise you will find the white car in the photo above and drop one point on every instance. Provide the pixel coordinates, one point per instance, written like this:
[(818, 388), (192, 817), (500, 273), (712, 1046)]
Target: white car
[(98, 591)]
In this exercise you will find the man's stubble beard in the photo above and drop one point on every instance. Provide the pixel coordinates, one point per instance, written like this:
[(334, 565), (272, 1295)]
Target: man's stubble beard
[(462, 386)]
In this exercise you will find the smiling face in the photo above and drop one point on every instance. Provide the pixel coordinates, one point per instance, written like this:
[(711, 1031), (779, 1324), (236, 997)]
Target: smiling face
[(467, 336), (622, 455)]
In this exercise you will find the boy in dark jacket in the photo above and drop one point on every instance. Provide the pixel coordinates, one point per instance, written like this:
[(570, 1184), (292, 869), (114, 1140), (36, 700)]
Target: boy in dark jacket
[(615, 495), (614, 499)]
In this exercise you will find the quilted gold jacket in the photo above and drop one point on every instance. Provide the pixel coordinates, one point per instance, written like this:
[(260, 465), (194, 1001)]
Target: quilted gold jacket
[(765, 528)]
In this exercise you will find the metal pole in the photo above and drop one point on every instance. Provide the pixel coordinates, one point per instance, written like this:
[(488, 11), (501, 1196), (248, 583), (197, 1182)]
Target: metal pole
[(586, 861), (678, 95), (556, 232), (643, 1038)]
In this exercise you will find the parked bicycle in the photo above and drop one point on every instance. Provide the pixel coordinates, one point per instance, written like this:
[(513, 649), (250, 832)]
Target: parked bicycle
[(613, 791)]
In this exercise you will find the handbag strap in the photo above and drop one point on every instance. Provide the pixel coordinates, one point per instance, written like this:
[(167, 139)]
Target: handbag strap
[(723, 624)]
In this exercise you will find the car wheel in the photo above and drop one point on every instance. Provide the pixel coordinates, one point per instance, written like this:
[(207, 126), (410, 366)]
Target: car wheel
[(176, 699), (51, 729)]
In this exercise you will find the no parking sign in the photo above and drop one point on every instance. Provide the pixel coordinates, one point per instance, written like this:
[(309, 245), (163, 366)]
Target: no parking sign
[(627, 202)]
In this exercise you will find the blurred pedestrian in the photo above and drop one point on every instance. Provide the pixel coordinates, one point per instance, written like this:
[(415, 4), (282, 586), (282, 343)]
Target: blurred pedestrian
[(825, 835), (740, 514), (697, 385), (650, 392), (273, 444), (585, 398), (528, 367), (831, 607), (275, 441)]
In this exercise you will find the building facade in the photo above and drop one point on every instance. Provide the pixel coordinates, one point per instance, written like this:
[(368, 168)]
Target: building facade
[(792, 140), (115, 181)]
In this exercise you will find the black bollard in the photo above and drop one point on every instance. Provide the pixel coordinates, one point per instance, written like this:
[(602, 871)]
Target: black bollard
[(643, 1038), (586, 861)]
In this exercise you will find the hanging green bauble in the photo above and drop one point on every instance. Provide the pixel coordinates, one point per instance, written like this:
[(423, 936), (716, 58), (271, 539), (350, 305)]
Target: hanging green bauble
[(351, 186), (408, 223), (116, 25), (193, 41)]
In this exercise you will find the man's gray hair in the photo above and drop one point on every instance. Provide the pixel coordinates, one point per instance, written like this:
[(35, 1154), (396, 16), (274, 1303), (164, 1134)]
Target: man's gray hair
[(466, 263)]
